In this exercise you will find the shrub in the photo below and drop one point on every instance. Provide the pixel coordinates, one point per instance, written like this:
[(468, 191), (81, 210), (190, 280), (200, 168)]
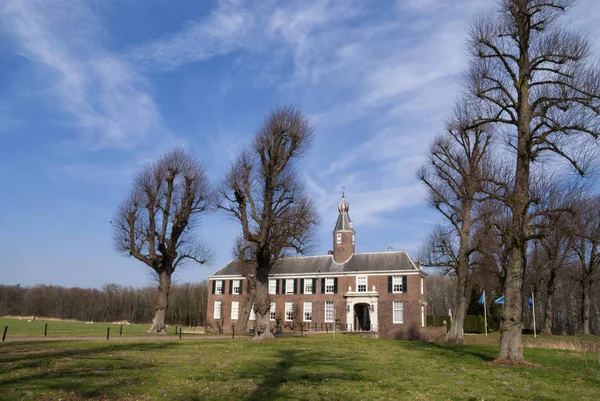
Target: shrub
[(471, 324)]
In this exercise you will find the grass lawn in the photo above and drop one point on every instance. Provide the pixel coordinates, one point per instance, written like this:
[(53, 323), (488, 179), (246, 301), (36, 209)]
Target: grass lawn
[(57, 328), (310, 367)]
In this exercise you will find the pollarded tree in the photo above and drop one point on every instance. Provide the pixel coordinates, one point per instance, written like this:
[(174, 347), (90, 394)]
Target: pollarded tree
[(154, 224), (531, 77), (455, 175), (262, 191)]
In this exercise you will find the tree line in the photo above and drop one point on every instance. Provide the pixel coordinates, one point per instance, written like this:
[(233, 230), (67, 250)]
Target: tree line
[(187, 303)]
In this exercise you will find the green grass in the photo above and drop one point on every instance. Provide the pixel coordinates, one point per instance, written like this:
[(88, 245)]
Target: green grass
[(56, 328), (310, 367)]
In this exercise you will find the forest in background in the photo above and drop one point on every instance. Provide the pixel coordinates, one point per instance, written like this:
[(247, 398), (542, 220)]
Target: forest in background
[(187, 303)]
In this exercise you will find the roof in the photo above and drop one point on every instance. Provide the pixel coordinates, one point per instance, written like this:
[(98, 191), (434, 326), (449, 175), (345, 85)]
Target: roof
[(343, 221), (358, 262)]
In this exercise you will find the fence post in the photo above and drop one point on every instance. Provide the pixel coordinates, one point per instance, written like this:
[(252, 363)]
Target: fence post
[(121, 330), (4, 334), (176, 330), (180, 330), (301, 330), (108, 332), (45, 329), (232, 332)]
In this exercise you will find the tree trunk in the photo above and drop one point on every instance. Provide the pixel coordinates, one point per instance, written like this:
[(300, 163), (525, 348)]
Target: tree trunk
[(511, 348), (242, 323), (585, 307), (456, 333), (160, 305), (549, 309), (262, 306)]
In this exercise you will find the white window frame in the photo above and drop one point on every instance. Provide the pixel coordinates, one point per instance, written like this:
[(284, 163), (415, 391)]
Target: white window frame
[(329, 286), (308, 284), (397, 281), (289, 285), (329, 312), (352, 239), (421, 285), (338, 238), (235, 310), (422, 316), (289, 311), (307, 311), (217, 310), (272, 287), (398, 308), (358, 283), (252, 313), (272, 311), (236, 287), (219, 287)]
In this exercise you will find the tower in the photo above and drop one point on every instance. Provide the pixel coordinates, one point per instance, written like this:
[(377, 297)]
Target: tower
[(343, 234)]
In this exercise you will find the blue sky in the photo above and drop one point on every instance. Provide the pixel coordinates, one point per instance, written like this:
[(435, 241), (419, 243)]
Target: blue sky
[(91, 90)]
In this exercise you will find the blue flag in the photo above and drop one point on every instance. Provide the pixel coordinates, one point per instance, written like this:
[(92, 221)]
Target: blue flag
[(482, 298), (500, 300), (530, 300)]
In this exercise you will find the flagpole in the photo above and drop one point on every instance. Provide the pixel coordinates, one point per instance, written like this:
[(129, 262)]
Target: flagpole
[(484, 312), (533, 306)]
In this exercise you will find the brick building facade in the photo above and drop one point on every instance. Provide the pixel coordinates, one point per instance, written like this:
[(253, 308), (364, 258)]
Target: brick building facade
[(384, 293)]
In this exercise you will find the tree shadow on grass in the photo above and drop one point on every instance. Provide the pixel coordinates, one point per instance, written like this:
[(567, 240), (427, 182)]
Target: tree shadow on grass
[(299, 366), (83, 373), (453, 350)]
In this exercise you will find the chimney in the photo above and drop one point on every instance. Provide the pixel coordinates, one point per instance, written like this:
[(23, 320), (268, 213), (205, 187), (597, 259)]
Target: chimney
[(418, 264)]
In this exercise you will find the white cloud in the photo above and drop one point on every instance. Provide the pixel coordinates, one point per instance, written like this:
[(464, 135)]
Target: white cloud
[(225, 29), (108, 100)]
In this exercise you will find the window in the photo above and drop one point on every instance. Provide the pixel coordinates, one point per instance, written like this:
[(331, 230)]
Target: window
[(421, 285), (398, 312), (219, 287), (236, 286), (328, 311), (422, 316), (352, 239), (397, 284), (217, 309), (308, 286), (235, 309), (272, 311), (329, 286), (272, 287), (289, 285), (289, 311), (361, 283), (308, 311), (338, 238), (252, 313)]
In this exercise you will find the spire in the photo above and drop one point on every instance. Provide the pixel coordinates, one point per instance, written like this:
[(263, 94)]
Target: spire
[(343, 233), (343, 222)]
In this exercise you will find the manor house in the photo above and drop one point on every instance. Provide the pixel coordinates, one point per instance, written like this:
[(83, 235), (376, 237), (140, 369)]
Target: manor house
[(381, 292)]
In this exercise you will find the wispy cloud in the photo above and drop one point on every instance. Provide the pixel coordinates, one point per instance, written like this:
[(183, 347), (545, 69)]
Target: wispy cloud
[(109, 102), (225, 29)]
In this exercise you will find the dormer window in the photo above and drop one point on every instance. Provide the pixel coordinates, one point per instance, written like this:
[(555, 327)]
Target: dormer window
[(338, 238)]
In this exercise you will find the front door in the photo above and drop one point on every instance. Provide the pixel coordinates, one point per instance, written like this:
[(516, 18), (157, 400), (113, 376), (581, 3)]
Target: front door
[(362, 319)]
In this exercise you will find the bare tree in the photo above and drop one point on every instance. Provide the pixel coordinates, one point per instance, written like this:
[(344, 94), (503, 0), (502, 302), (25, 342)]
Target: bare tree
[(531, 77), (587, 251), (262, 191), (154, 224), (455, 175)]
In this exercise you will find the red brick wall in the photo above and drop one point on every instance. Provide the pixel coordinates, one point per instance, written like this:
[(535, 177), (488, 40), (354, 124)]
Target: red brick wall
[(343, 251)]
